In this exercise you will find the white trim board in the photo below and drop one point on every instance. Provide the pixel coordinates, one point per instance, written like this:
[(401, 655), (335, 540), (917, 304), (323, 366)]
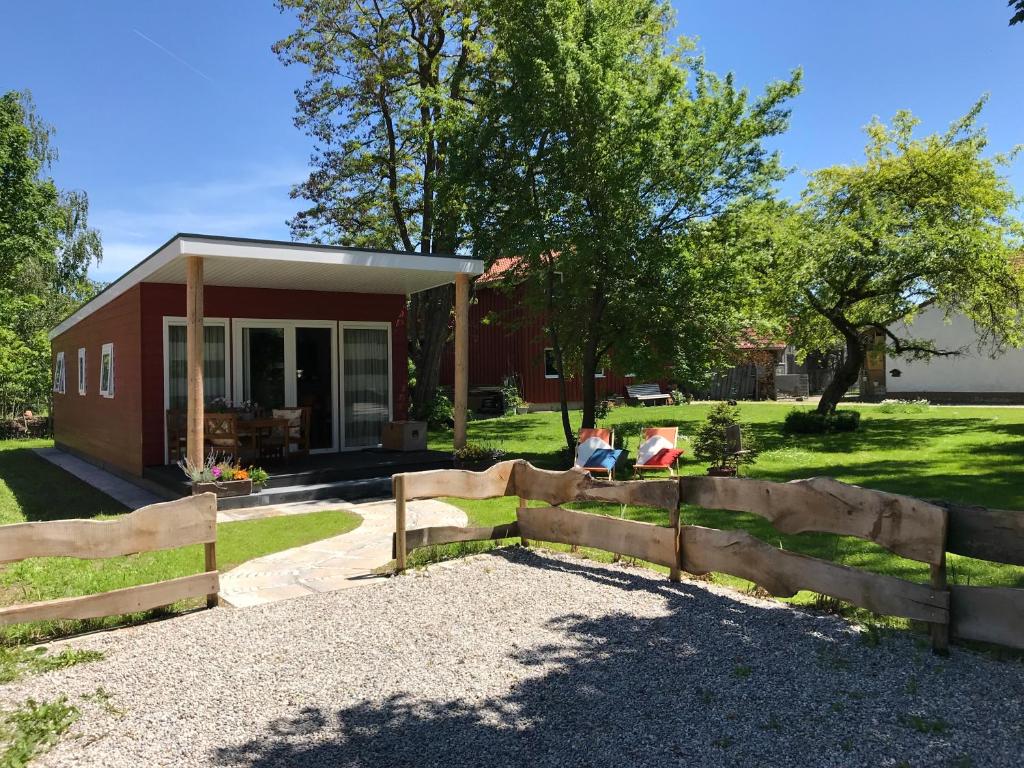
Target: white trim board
[(411, 272)]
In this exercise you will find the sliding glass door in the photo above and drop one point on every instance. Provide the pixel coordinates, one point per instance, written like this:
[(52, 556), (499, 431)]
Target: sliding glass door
[(290, 364), (366, 383)]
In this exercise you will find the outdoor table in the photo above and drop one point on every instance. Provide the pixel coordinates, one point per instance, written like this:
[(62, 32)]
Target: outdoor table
[(258, 428)]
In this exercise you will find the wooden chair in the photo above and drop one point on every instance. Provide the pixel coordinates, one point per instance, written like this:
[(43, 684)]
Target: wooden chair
[(297, 439), (608, 436), (220, 434), (664, 460), (177, 435), (734, 445)]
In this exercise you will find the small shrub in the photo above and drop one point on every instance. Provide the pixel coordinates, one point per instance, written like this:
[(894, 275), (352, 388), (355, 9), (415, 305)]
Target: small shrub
[(799, 422), (709, 443), (601, 410), (904, 406), (510, 397), (476, 452), (440, 414)]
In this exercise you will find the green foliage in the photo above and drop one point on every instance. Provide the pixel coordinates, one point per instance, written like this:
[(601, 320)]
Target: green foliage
[(923, 223), (46, 247), (510, 397), (441, 414), (801, 422), (32, 728), (475, 452), (640, 245), (17, 661), (710, 444)]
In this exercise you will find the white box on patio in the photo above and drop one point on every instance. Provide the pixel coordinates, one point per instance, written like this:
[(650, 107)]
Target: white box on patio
[(404, 436)]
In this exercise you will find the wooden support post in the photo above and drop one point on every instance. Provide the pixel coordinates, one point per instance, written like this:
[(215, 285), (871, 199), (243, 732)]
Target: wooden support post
[(461, 357), (675, 572), (940, 632), (522, 504), (398, 483), (211, 565), (194, 355)]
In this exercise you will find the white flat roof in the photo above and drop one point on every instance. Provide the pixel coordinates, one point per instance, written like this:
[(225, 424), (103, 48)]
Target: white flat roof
[(247, 263)]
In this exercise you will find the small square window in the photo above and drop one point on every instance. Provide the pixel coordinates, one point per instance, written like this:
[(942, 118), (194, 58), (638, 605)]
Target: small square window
[(81, 371), (107, 370), (58, 374), (550, 369)]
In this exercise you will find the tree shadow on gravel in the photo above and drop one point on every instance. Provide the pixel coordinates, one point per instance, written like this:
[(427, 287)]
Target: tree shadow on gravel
[(711, 681)]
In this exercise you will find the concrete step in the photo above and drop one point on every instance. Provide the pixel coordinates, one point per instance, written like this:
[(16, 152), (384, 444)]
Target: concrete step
[(345, 490)]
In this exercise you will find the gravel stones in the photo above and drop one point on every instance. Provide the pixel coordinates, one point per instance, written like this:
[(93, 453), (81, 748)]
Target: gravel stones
[(522, 657)]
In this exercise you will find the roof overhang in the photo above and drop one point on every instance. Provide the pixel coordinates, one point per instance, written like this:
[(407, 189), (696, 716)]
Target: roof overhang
[(248, 263)]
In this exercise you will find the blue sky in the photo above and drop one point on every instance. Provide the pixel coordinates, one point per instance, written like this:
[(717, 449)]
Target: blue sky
[(178, 117)]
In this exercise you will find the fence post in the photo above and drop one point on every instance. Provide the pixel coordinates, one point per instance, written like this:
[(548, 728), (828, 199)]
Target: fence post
[(674, 573), (398, 485), (523, 541), (940, 632), (211, 565)]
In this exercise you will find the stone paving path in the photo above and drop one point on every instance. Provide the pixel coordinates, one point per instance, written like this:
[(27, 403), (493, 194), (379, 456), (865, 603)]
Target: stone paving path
[(337, 563)]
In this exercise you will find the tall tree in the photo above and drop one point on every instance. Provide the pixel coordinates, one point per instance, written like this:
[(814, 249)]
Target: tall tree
[(46, 247), (389, 84), (923, 222), (606, 165), (1018, 11)]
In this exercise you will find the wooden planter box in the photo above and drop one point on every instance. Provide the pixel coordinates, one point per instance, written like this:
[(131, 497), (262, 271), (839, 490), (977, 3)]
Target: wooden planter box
[(225, 489)]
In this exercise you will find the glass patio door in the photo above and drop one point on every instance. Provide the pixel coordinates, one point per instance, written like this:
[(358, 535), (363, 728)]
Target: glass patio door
[(290, 364), (366, 384)]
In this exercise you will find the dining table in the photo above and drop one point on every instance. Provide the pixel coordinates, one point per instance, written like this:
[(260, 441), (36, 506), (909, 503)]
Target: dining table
[(260, 428)]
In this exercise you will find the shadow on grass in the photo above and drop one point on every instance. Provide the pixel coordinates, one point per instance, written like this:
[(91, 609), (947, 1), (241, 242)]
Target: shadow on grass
[(42, 491), (702, 680)]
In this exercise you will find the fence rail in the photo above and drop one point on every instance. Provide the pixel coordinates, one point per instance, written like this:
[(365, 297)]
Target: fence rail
[(912, 528), (172, 524)]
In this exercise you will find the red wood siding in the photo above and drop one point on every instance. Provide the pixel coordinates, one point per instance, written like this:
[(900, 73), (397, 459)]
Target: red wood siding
[(512, 341), (162, 299), (109, 430)]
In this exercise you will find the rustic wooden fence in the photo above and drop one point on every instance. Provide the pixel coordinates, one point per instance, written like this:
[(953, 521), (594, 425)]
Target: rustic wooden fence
[(192, 520), (911, 528)]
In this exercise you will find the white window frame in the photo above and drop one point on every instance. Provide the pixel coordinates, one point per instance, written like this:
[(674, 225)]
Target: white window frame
[(83, 374), (59, 374), (290, 388), (108, 391), (341, 376), (170, 320)]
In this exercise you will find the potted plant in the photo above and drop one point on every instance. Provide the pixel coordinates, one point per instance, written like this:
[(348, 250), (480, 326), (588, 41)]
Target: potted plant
[(710, 442), (476, 457), (523, 408), (222, 476)]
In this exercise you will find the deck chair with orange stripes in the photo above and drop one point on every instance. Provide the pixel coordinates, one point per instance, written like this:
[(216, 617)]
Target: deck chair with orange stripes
[(595, 452), (658, 451)]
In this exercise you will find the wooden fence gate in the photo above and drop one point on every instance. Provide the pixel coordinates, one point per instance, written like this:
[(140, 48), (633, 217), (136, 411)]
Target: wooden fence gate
[(911, 528)]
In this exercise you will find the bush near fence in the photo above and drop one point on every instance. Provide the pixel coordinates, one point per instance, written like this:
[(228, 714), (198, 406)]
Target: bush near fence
[(912, 528)]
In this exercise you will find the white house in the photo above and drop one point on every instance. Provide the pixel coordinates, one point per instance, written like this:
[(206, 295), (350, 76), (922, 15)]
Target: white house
[(972, 377)]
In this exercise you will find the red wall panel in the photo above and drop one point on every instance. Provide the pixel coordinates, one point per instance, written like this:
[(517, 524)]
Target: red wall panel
[(109, 430), (505, 339), (163, 299)]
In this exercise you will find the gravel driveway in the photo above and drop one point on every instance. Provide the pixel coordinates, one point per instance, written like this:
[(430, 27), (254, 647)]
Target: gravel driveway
[(526, 659)]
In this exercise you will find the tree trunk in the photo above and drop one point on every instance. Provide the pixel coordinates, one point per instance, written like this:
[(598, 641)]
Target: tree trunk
[(846, 374), (563, 395), (589, 387), (427, 330)]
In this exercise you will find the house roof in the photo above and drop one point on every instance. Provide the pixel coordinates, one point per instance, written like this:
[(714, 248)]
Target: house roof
[(250, 263)]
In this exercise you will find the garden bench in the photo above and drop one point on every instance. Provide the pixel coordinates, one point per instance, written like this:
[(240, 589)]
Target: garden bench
[(645, 394)]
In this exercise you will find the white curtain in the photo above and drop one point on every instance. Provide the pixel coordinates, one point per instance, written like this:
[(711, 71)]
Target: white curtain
[(214, 365), (367, 385)]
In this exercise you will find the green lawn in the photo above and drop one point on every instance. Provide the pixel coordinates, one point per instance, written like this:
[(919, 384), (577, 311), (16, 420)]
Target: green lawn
[(969, 455), (32, 489)]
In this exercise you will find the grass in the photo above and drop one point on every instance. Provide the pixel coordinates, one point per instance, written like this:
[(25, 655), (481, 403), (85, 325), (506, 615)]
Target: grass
[(18, 661), (32, 489), (960, 454), (31, 728)]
